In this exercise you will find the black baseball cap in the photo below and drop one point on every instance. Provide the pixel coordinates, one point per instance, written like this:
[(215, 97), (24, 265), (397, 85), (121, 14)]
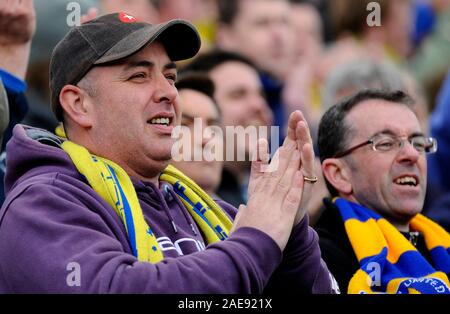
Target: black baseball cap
[(110, 38)]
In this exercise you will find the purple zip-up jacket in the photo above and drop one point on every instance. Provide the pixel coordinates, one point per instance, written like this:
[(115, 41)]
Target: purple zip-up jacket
[(58, 236)]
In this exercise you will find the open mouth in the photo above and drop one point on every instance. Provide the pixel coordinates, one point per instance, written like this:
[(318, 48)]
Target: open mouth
[(160, 121), (407, 180)]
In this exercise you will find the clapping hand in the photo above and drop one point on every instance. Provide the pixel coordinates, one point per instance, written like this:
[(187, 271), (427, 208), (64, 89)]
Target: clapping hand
[(279, 190)]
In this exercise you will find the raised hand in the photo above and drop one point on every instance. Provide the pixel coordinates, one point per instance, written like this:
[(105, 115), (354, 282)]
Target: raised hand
[(17, 21), (17, 27), (298, 131), (275, 198), (298, 137)]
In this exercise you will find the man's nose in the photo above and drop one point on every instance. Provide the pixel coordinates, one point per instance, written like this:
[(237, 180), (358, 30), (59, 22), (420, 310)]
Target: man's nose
[(258, 103), (165, 90), (408, 153), (264, 110)]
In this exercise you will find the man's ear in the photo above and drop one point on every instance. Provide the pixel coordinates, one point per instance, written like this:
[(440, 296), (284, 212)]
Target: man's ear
[(77, 105), (337, 173)]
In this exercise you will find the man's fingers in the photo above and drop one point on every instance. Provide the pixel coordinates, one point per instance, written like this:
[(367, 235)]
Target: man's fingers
[(308, 161), (306, 147), (285, 182), (294, 196), (280, 162), (262, 150), (294, 118), (308, 173), (260, 160), (303, 134)]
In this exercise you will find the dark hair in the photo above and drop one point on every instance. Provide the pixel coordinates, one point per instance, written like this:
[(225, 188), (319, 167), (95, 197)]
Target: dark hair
[(334, 132), (197, 81), (303, 2), (228, 10), (208, 61)]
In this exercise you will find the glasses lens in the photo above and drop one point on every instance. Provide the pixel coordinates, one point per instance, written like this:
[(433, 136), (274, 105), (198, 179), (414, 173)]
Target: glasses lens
[(420, 143), (424, 144), (384, 143), (432, 145)]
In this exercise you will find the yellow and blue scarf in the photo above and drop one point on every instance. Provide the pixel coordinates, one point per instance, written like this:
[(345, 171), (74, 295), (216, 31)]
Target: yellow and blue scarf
[(389, 263), (114, 185)]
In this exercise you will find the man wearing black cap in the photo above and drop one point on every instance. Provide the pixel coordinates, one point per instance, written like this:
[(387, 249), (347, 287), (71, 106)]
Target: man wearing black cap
[(97, 209)]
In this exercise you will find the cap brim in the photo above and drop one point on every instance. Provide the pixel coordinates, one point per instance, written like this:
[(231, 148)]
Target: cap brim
[(180, 39)]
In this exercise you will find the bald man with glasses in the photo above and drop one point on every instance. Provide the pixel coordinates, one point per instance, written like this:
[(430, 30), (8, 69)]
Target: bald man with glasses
[(373, 236)]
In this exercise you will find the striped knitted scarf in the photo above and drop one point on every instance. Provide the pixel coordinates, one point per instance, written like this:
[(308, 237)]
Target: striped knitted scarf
[(389, 263), (114, 185)]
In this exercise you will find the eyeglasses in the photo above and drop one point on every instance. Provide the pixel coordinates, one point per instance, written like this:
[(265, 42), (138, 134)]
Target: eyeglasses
[(385, 143)]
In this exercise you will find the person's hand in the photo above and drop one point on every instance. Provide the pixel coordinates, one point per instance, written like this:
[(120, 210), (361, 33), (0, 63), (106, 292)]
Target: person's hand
[(17, 22), (299, 137), (298, 132), (17, 27), (276, 194)]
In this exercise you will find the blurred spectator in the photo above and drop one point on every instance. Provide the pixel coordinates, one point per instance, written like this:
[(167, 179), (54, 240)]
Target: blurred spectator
[(363, 74), (17, 27), (143, 10), (356, 39), (302, 86), (439, 122), (202, 13), (431, 61), (261, 30), (240, 98), (307, 26), (424, 20), (421, 106), (301, 90), (51, 19), (359, 74), (196, 92), (191, 10)]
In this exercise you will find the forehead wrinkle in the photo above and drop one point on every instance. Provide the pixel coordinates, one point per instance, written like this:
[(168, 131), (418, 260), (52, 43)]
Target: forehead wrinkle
[(388, 131), (365, 108)]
